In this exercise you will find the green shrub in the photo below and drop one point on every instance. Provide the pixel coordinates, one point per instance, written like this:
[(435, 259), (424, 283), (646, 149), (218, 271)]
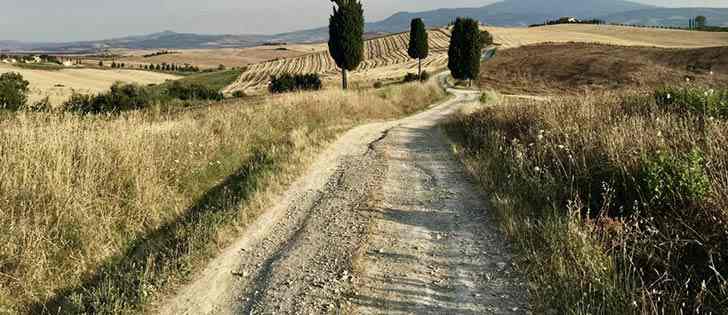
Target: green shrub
[(238, 94), (13, 91), (121, 97), (670, 181), (291, 83), (695, 100), (424, 76), (488, 96), (410, 77), (192, 91)]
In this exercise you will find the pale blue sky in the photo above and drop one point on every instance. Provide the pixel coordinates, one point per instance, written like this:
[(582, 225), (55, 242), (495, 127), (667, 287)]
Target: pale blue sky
[(53, 20)]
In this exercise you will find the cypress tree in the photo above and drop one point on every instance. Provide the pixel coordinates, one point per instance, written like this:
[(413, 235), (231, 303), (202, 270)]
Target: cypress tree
[(465, 49), (418, 45), (346, 31), (700, 22)]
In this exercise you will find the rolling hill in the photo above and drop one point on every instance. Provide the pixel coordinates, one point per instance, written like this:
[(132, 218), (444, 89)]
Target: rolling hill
[(503, 13), (669, 16), (527, 12)]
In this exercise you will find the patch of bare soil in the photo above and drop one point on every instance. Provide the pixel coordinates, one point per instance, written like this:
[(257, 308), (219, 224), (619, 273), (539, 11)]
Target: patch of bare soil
[(576, 67)]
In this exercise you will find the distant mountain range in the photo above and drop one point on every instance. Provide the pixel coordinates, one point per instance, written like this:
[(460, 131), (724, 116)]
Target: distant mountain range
[(504, 13), (527, 12)]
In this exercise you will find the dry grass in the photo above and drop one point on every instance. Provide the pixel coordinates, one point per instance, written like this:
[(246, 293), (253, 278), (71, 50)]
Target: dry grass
[(212, 58), (384, 58), (615, 206), (510, 37), (103, 214), (576, 67), (59, 85)]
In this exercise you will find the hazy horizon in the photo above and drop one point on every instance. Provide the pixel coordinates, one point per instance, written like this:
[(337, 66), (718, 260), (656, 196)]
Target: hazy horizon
[(91, 20)]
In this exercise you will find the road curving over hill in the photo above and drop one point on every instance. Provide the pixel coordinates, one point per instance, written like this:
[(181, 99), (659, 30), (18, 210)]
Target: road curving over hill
[(385, 221)]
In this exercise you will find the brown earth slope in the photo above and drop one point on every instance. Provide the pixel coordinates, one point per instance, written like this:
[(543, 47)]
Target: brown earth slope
[(572, 67)]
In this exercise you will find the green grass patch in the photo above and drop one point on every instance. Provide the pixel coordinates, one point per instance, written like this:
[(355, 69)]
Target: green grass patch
[(214, 80)]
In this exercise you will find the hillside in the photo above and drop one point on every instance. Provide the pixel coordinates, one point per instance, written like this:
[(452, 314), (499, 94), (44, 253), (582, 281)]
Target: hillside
[(574, 67), (513, 13), (669, 16), (59, 85), (527, 12), (386, 57), (509, 37), (504, 13), (165, 39)]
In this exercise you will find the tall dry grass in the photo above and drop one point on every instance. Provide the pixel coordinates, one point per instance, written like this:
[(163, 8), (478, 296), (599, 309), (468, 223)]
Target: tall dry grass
[(101, 214), (616, 205)]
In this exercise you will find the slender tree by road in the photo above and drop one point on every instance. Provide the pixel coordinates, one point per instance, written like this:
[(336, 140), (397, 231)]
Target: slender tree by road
[(465, 49), (346, 32), (418, 45)]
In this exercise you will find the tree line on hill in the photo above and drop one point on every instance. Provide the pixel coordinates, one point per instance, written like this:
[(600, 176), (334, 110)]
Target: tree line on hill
[(156, 67), (170, 67), (698, 23), (159, 53)]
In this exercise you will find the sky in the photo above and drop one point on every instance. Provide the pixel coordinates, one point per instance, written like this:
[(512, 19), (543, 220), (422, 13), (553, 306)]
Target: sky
[(72, 20)]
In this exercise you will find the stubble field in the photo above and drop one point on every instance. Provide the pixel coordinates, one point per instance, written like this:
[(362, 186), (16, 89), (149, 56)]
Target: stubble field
[(386, 57), (59, 85)]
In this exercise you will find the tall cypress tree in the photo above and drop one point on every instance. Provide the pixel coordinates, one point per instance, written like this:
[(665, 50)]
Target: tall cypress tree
[(465, 49), (700, 22), (346, 36), (418, 45)]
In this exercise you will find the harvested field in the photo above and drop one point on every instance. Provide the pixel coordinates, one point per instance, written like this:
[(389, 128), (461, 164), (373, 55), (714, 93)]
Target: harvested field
[(385, 57), (59, 85), (575, 67), (607, 34), (105, 214), (212, 58)]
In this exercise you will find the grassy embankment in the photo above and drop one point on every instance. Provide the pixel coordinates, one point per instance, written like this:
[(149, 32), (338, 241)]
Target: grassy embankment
[(616, 203), (104, 214)]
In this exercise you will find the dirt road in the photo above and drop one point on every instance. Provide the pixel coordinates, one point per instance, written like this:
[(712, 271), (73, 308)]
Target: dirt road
[(386, 221)]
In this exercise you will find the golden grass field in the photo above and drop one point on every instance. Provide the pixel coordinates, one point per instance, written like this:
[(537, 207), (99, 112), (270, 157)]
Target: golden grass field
[(143, 198), (386, 57), (607, 34), (212, 58), (59, 85)]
